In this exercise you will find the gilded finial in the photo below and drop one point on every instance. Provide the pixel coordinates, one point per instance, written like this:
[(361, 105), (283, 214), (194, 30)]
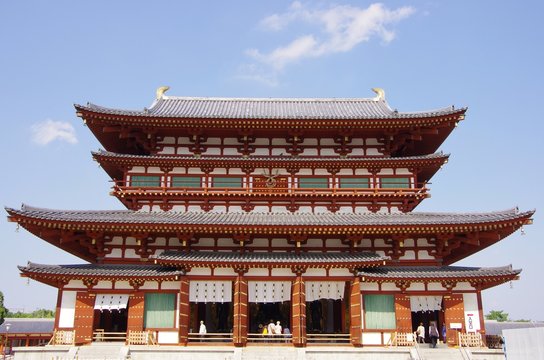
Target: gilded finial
[(380, 94), (161, 91)]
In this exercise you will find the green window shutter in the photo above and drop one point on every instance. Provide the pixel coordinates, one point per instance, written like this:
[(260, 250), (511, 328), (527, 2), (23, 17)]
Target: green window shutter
[(395, 182), (313, 183), (145, 180), (227, 182), (160, 310), (354, 183), (186, 181), (380, 312)]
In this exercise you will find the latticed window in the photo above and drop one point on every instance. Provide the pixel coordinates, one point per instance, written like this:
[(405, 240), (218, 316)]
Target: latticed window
[(395, 182), (227, 182), (354, 182), (145, 180), (379, 311), (159, 310), (313, 182), (186, 181)]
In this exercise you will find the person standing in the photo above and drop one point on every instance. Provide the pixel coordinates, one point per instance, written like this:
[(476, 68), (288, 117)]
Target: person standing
[(433, 334), (420, 332), (202, 330), (278, 329), (271, 328)]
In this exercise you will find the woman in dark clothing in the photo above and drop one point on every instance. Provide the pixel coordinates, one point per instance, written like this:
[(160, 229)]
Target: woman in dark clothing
[(433, 334)]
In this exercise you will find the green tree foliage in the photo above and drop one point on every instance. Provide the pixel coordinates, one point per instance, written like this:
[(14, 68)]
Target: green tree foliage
[(40, 313), (3, 310), (498, 315)]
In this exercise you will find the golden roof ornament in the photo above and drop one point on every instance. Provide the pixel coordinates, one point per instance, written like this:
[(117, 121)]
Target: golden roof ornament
[(161, 91), (380, 94)]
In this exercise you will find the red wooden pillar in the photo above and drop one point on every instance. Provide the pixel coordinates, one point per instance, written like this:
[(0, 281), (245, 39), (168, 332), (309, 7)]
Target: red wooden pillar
[(481, 312), (58, 307), (184, 309), (298, 311), (239, 331), (355, 312)]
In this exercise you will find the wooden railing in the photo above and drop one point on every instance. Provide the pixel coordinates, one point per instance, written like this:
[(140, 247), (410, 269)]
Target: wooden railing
[(101, 335), (123, 189), (402, 339), (471, 340), (277, 339), (141, 338), (63, 337), (210, 337), (326, 338)]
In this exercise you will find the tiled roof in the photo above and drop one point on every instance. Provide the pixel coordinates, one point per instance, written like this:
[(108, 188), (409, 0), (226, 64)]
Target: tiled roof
[(27, 326), (270, 258), (287, 108), (436, 272), (265, 219), (117, 271), (250, 159)]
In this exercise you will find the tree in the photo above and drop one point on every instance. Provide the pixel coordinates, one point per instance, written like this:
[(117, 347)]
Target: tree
[(498, 315), (3, 310), (40, 313)]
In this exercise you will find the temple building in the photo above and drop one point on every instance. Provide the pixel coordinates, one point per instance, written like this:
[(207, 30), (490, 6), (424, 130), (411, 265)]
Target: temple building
[(245, 210)]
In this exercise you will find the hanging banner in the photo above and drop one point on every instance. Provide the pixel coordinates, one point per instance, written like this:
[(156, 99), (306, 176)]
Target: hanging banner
[(110, 302), (316, 290), (210, 291), (269, 291), (425, 303)]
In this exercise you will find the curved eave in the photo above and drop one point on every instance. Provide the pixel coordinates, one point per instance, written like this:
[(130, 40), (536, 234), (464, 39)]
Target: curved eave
[(47, 274), (318, 224), (113, 163)]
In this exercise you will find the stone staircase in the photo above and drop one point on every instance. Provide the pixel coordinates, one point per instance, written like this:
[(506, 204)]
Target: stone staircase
[(271, 353), (441, 352), (102, 351)]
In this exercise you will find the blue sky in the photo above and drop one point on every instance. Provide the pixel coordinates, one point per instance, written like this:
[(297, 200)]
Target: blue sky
[(486, 55)]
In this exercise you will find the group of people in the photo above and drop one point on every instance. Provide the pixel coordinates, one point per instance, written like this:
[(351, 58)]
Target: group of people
[(273, 329), (434, 335)]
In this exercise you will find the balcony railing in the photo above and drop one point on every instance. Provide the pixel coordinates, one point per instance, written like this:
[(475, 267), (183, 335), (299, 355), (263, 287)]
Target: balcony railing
[(122, 189)]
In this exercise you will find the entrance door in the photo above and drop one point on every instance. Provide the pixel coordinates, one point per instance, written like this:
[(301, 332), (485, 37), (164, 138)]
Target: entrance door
[(84, 316), (263, 313), (324, 316)]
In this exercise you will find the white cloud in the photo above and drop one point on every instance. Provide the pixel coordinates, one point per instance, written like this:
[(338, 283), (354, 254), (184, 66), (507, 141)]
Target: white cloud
[(47, 131), (341, 28)]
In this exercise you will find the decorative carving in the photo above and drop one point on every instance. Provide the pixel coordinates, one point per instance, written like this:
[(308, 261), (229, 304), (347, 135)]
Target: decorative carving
[(299, 269), (90, 283), (136, 283), (403, 284), (295, 139), (246, 140)]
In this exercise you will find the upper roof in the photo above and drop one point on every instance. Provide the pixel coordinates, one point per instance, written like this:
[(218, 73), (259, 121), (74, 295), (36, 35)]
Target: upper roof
[(297, 219), (270, 108)]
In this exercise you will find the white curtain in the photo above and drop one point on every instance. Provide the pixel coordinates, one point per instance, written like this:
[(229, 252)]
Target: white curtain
[(110, 302), (210, 291), (269, 291), (425, 303), (316, 290)]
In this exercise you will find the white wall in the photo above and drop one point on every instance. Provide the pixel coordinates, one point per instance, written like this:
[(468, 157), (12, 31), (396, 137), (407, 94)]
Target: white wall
[(67, 309)]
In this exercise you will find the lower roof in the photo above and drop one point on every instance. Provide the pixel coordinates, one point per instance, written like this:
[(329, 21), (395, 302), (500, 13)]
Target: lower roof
[(271, 259), (102, 271), (27, 326)]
